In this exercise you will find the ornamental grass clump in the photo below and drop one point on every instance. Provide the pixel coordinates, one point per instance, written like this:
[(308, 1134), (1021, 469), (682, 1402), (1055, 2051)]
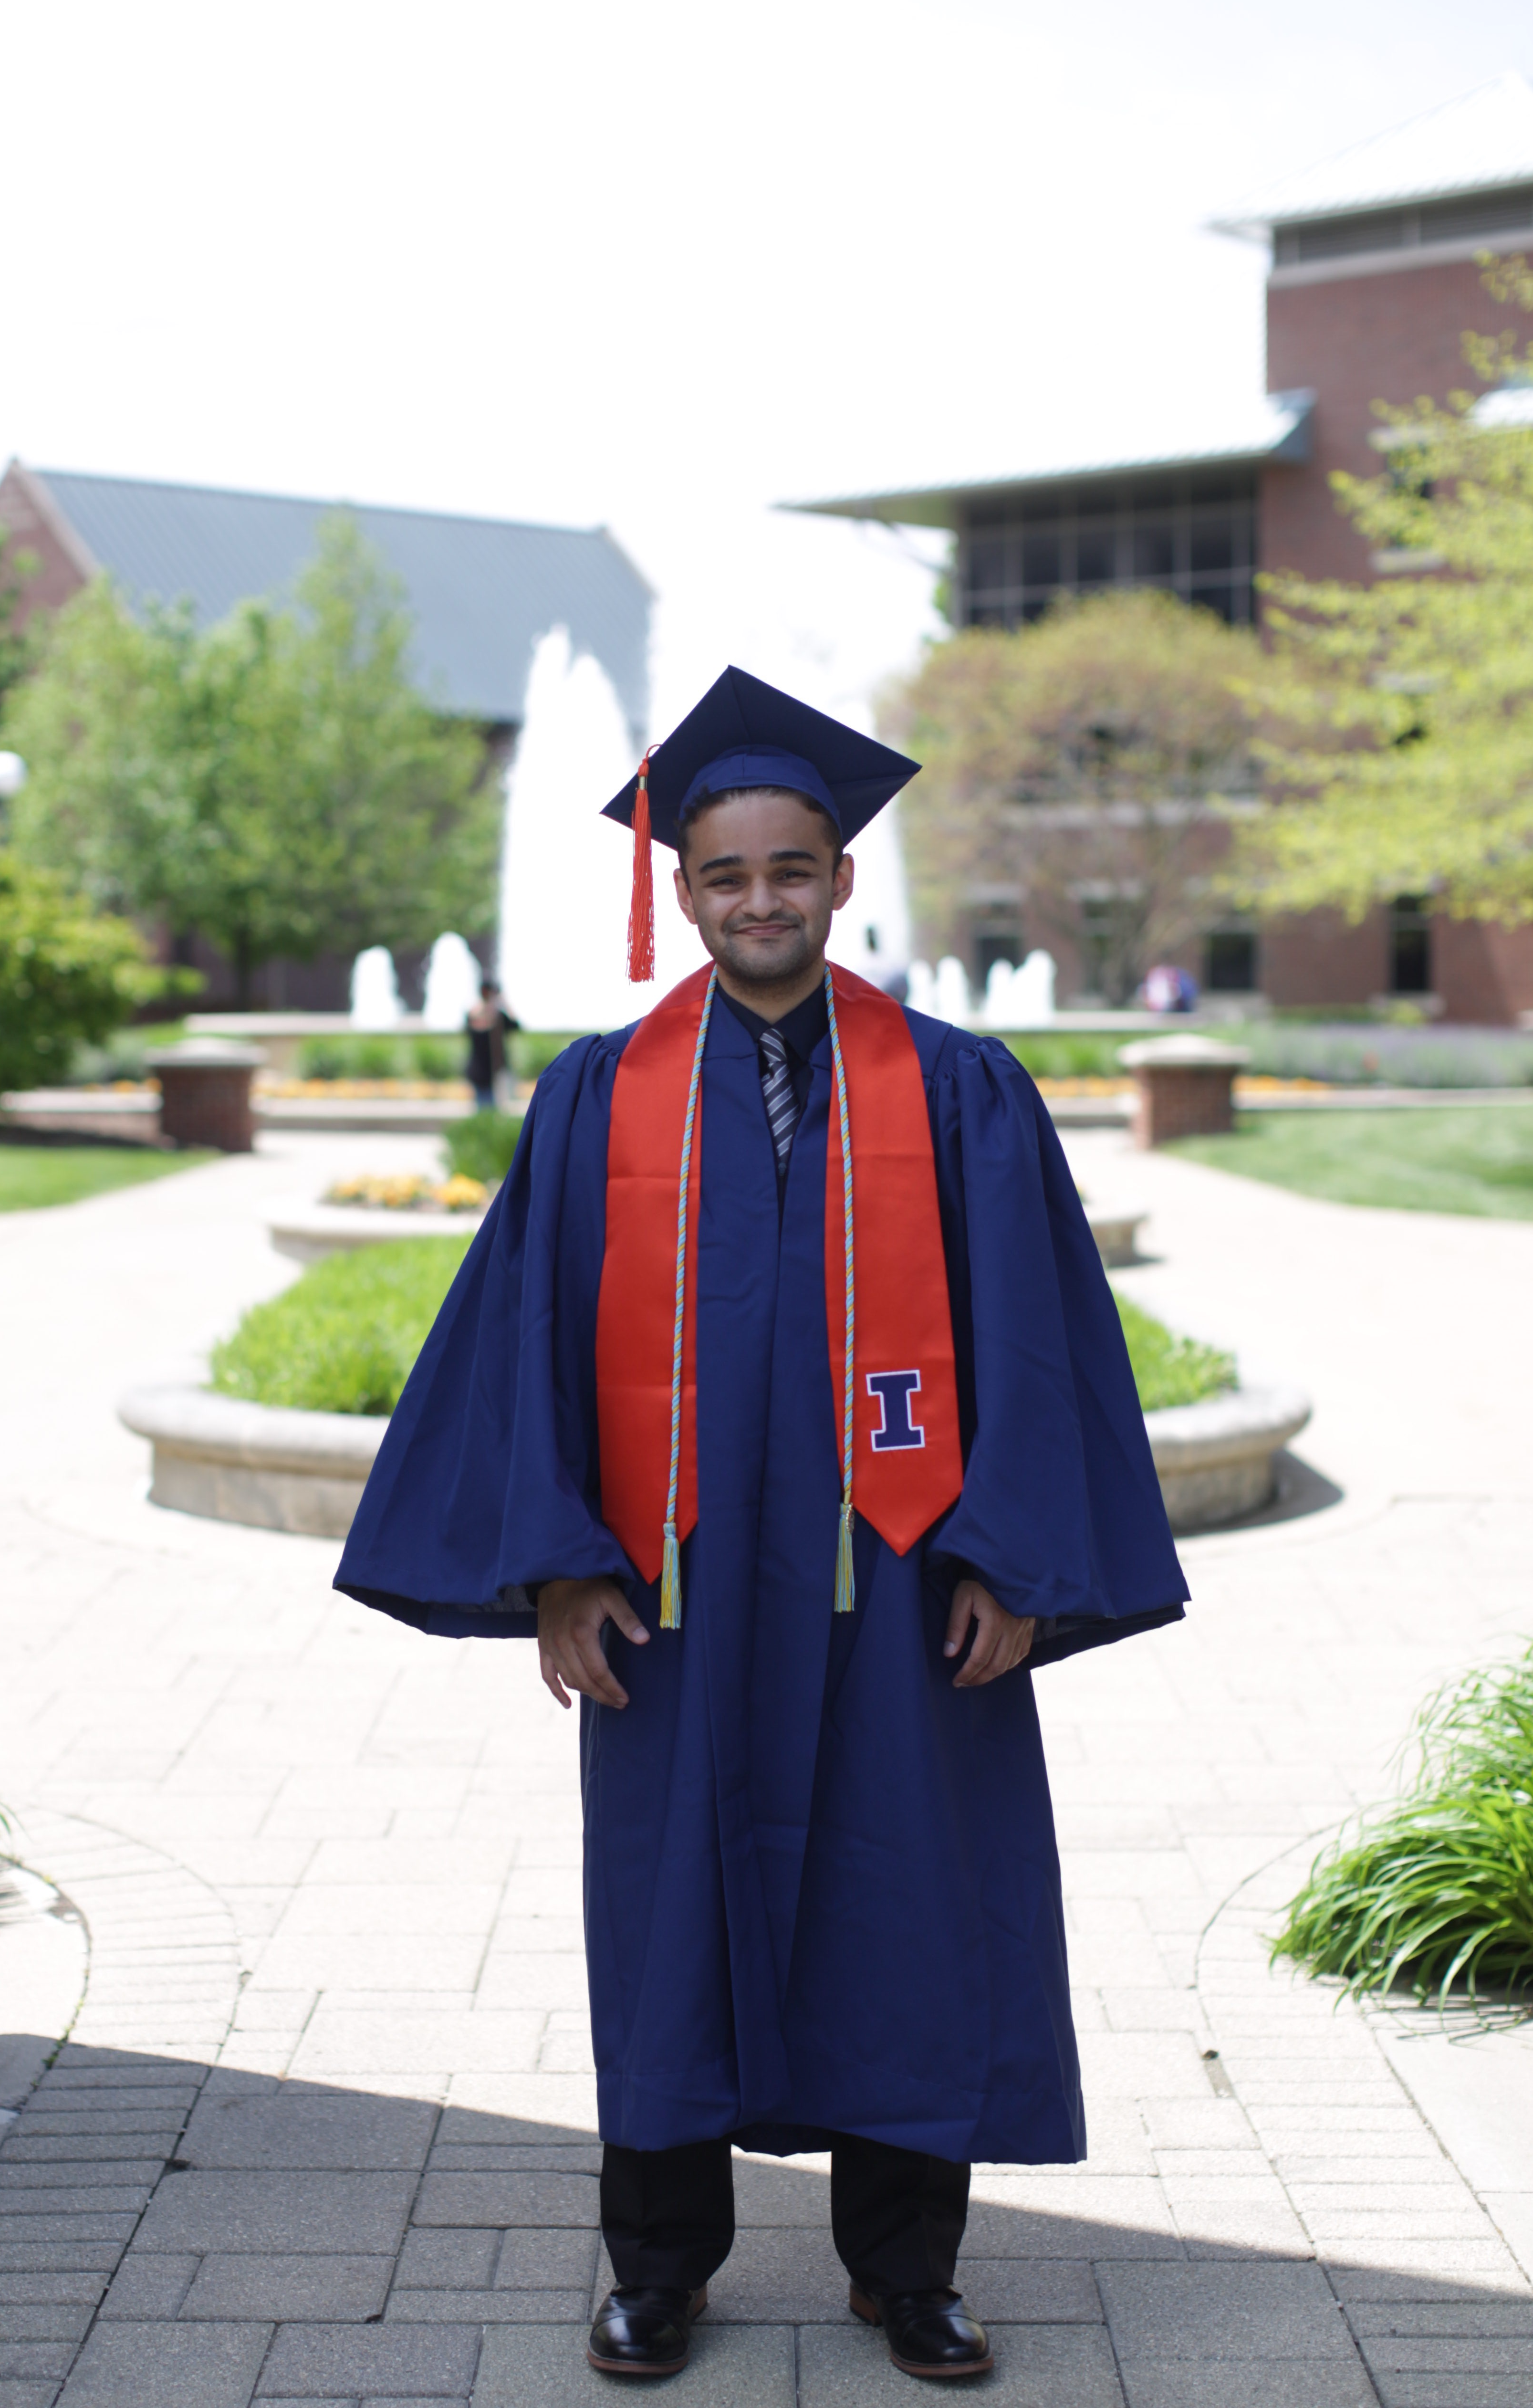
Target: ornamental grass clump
[(1437, 1895), (343, 1338)]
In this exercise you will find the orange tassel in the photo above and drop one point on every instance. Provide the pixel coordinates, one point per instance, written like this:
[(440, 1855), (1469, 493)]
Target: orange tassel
[(641, 904)]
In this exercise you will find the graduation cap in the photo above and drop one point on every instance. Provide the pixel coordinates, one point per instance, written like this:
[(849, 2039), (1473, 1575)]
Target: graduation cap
[(746, 733)]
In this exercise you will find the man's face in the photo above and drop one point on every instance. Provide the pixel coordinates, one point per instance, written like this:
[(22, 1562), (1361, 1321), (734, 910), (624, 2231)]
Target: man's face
[(759, 885)]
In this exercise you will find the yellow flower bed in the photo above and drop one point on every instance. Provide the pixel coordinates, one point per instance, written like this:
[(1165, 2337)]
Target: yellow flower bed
[(324, 1091), (410, 1191)]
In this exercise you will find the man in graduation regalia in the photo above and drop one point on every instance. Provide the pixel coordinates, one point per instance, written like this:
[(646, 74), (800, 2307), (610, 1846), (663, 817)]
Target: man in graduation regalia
[(784, 1396)]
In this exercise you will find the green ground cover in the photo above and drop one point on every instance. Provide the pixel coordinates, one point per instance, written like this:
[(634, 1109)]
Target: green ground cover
[(1457, 1158), (481, 1146), (33, 1175), (1073, 1053), (372, 1054), (1168, 1369), (342, 1338), (1439, 1893)]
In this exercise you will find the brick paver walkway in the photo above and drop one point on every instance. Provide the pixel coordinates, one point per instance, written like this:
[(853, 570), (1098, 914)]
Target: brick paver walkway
[(323, 2129)]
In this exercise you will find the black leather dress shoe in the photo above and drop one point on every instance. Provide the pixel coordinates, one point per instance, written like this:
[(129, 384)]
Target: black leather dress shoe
[(644, 2332), (929, 2333)]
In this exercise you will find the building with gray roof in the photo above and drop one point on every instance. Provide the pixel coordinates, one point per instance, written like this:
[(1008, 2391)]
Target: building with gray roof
[(481, 591), (481, 594)]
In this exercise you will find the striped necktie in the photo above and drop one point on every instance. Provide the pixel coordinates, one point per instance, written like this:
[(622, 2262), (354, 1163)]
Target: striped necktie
[(776, 1091)]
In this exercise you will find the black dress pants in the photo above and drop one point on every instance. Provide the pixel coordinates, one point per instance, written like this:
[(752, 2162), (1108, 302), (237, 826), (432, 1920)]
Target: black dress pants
[(668, 2215)]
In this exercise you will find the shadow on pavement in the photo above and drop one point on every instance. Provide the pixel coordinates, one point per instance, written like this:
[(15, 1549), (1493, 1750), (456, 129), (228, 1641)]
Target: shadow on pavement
[(197, 2237)]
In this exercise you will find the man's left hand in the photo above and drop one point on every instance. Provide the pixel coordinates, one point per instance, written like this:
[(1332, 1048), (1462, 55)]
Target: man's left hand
[(1001, 1640)]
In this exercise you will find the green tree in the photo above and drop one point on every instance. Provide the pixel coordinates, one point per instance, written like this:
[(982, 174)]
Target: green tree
[(277, 781), (69, 975), (17, 570), (1396, 719), (1074, 762)]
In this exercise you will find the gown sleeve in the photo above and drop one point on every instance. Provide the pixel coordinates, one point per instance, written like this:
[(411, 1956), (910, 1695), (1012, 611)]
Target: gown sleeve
[(487, 1482), (1061, 1514)]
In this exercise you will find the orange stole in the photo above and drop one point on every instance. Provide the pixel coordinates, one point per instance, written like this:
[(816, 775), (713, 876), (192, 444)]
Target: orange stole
[(636, 1308), (903, 1319)]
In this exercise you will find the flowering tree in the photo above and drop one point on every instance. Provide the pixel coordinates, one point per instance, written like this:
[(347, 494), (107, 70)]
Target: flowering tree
[(1076, 761), (1397, 717)]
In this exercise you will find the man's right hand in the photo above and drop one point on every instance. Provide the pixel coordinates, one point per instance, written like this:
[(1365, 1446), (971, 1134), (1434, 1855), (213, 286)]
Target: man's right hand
[(570, 1614)]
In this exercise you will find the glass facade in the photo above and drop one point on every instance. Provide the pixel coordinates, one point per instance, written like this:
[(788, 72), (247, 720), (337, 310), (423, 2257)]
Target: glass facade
[(1194, 535)]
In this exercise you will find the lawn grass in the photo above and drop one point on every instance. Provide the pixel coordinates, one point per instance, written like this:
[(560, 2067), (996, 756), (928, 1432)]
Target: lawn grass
[(1475, 1158), (33, 1175), (1439, 1894), (342, 1338), (1170, 1371)]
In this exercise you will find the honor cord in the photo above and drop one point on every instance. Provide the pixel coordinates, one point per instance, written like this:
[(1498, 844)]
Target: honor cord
[(846, 1591), (670, 1569)]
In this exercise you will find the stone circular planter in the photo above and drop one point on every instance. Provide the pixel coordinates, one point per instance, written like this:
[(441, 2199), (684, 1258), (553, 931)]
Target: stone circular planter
[(305, 1232), (264, 1463), (1117, 1235), (1214, 1460), (287, 1470)]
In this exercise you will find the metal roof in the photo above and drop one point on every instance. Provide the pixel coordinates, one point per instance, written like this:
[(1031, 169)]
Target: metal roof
[(1274, 426), (1477, 144), (481, 591)]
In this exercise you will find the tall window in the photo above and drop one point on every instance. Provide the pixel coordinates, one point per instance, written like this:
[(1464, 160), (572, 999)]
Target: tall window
[(1229, 965), (1195, 535), (1409, 946)]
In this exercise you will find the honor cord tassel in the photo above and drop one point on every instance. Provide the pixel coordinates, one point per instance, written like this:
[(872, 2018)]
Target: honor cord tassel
[(846, 1586), (641, 900), (670, 1570)]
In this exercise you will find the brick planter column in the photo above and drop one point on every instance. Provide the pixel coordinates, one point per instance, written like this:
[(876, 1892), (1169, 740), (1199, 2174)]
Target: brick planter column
[(204, 1094), (1186, 1087)]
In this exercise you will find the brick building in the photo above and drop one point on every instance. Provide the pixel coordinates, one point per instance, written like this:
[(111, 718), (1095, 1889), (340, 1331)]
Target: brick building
[(1372, 284), (481, 593)]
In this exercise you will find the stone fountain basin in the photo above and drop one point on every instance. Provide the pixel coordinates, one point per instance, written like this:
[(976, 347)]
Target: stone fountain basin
[(281, 1470)]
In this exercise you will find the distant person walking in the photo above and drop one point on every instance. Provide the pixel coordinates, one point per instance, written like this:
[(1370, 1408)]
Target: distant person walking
[(488, 1026)]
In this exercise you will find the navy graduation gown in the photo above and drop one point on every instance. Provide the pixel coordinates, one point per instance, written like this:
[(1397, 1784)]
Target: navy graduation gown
[(822, 1891)]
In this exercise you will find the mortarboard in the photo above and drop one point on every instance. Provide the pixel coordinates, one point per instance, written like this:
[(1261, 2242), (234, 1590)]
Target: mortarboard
[(746, 733)]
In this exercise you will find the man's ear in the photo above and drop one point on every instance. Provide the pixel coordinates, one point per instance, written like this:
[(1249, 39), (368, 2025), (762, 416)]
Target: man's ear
[(842, 881), (683, 894)]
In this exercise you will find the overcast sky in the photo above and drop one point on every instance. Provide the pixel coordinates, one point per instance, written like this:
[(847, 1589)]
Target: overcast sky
[(660, 266)]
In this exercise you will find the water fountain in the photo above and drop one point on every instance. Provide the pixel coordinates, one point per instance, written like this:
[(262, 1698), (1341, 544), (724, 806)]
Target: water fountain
[(565, 879), (375, 990), (453, 984)]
